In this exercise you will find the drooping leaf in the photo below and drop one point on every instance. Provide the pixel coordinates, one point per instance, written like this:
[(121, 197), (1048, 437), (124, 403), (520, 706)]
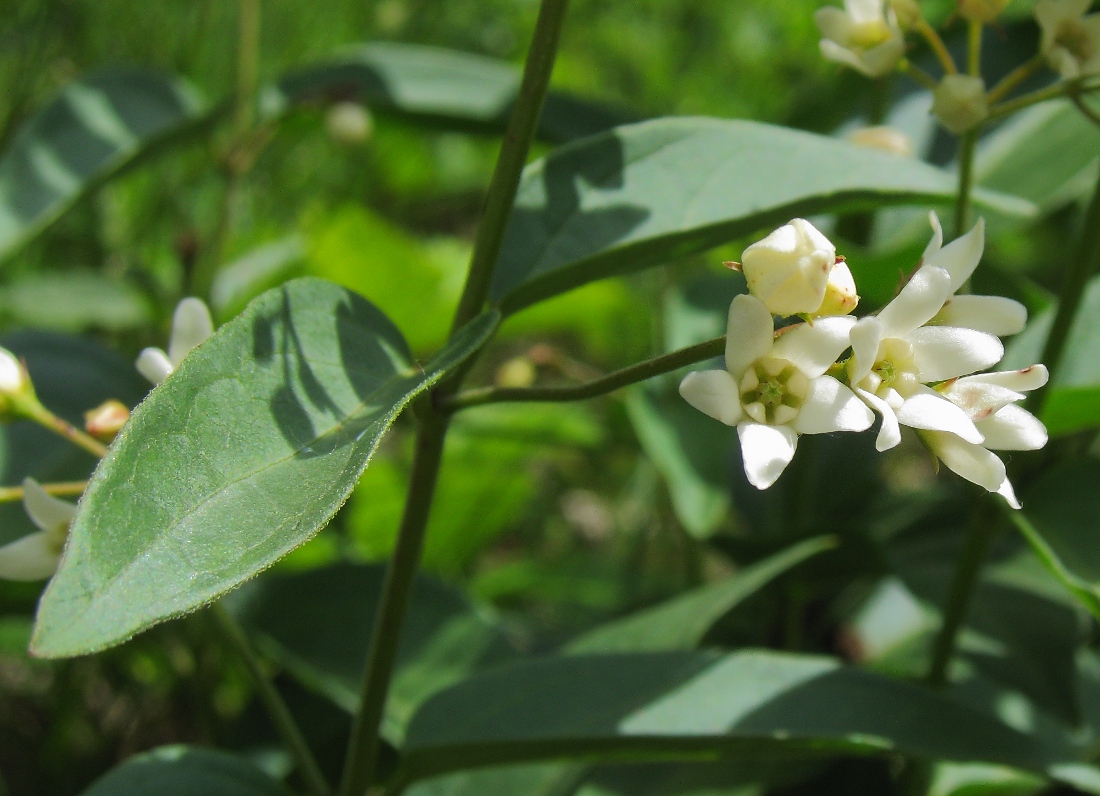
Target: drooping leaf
[(642, 194), (435, 85), (186, 771), (683, 623), (242, 454), (71, 375), (676, 705), (98, 126), (318, 623)]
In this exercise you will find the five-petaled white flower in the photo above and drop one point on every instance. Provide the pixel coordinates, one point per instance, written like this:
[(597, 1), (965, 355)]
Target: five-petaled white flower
[(1070, 40), (774, 389), (191, 324), (35, 556), (863, 36), (989, 400)]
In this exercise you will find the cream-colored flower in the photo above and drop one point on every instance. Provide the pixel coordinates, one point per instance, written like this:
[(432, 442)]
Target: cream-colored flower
[(191, 324), (349, 123), (959, 102), (792, 268), (1070, 40), (35, 556), (774, 389), (864, 36), (884, 139)]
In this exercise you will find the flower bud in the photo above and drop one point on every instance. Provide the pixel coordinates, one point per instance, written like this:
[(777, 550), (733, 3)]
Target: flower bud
[(517, 372), (106, 420), (907, 12), (984, 11), (883, 138), (960, 103), (840, 292), (790, 268), (15, 385), (349, 123)]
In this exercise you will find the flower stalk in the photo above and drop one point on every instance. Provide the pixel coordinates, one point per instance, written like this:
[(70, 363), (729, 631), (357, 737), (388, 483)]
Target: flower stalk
[(10, 494), (35, 411)]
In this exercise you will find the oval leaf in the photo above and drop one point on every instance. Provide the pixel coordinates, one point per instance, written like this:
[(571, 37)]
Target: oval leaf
[(679, 705), (186, 771), (642, 194), (239, 457), (98, 126)]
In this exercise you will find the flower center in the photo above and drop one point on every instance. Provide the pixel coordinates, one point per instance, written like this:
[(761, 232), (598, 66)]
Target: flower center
[(894, 371), (1075, 39), (865, 35), (772, 391)]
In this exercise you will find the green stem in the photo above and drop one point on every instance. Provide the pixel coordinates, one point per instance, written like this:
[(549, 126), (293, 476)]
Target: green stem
[(938, 47), (396, 590), (280, 715), (248, 66), (1064, 89), (513, 156), (974, 49), (1086, 261), (968, 143), (33, 410), (965, 579), (1014, 78), (917, 74), (589, 389), (10, 494)]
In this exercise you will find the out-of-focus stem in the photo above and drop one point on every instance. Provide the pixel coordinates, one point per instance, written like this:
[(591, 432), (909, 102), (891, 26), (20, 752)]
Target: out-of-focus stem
[(32, 410), (1014, 78), (10, 494), (917, 74), (938, 47)]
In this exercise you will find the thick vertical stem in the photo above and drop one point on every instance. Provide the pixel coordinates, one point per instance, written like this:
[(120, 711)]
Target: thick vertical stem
[(363, 746), (1085, 263), (513, 156)]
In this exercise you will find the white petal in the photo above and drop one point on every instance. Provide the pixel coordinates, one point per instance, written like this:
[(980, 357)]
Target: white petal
[(972, 462), (864, 10), (944, 352), (153, 364), (936, 243), (46, 511), (927, 409), (834, 52), (960, 257), (33, 557), (813, 349), (1013, 429), (882, 58), (979, 399), (996, 315), (749, 333), (1051, 13), (830, 406), (1025, 380), (191, 325), (714, 393), (834, 24), (865, 336), (889, 435), (766, 451), (917, 302), (1006, 491)]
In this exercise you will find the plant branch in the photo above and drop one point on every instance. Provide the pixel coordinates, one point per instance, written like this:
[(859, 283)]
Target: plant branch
[(917, 74), (33, 410), (595, 387), (968, 143), (1066, 88), (396, 591), (280, 715), (1086, 111), (10, 494), (938, 47), (1086, 261), (974, 49), (1014, 79), (513, 156)]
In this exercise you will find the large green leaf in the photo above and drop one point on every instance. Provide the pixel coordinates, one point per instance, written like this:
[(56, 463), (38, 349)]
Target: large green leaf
[(318, 623), (642, 194), (185, 771), (691, 705), (683, 623), (98, 126), (239, 457), (434, 85)]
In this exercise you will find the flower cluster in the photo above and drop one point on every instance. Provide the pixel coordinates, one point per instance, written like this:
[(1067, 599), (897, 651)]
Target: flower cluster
[(912, 364)]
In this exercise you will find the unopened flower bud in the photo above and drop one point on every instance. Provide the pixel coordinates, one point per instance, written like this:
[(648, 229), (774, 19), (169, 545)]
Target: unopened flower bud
[(106, 420), (517, 372), (1070, 38), (15, 385), (984, 11), (790, 268), (960, 103), (886, 139), (907, 12), (840, 292), (349, 123)]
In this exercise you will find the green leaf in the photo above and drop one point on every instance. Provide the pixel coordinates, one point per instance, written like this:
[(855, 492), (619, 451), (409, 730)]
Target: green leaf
[(185, 771), (643, 194), (319, 624), (260, 269), (971, 779), (98, 126), (689, 705), (71, 375), (241, 455), (75, 301), (432, 85), (683, 623)]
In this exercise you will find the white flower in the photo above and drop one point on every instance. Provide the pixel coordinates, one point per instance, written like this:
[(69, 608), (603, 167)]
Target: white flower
[(13, 378), (191, 324), (989, 400), (774, 389), (349, 123), (1070, 40), (791, 269), (35, 556), (960, 103), (861, 36)]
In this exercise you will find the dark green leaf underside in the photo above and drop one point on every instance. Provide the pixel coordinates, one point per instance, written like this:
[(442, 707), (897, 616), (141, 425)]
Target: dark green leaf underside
[(185, 771), (239, 457)]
